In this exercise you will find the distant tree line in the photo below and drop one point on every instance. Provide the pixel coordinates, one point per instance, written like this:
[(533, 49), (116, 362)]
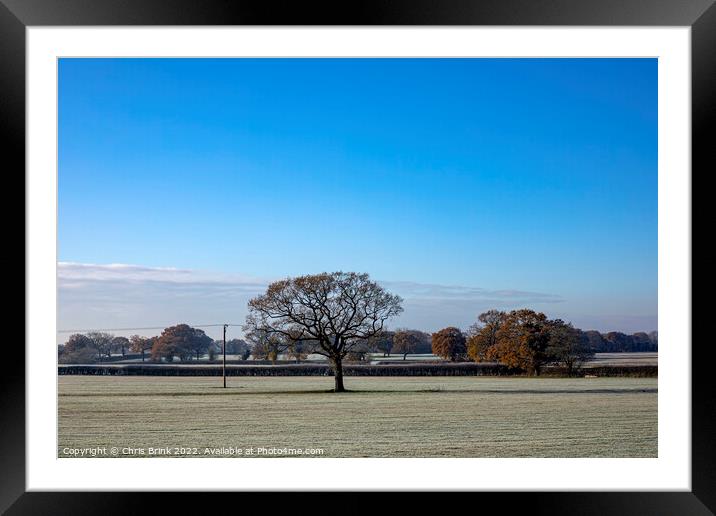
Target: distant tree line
[(520, 339), (527, 340), (180, 341), (92, 347), (617, 342)]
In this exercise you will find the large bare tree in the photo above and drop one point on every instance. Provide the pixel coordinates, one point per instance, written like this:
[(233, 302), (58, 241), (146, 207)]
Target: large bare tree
[(333, 311)]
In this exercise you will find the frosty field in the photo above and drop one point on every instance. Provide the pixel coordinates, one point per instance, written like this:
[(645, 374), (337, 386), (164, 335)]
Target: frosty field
[(381, 417)]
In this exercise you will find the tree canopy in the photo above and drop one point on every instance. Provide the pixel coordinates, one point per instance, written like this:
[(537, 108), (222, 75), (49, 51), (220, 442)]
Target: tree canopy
[(483, 334), (140, 344), (449, 343), (266, 345), (334, 311), (101, 342), (405, 342), (527, 340), (182, 341), (567, 345)]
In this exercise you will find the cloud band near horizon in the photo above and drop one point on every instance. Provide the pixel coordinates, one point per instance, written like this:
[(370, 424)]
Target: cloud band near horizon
[(96, 296)]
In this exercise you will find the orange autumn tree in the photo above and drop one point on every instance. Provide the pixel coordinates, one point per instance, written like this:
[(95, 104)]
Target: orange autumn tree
[(483, 334), (522, 341), (449, 343), (139, 344), (181, 340)]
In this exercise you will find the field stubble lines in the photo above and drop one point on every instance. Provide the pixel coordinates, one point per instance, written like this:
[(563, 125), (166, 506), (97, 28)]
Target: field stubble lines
[(470, 417)]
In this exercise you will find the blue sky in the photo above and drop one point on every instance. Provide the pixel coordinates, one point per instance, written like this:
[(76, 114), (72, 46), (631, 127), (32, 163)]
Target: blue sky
[(536, 177)]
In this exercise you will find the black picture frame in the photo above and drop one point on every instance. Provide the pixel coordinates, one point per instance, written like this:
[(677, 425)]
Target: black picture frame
[(700, 15)]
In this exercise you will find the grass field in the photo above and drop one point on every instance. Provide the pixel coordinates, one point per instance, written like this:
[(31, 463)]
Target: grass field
[(600, 359), (381, 417)]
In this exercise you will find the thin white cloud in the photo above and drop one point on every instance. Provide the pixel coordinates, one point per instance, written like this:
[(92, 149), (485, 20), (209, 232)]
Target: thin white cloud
[(428, 291), (71, 273), (122, 295), (81, 275)]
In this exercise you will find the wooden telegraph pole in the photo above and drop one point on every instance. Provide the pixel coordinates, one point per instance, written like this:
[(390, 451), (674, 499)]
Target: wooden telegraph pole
[(223, 367)]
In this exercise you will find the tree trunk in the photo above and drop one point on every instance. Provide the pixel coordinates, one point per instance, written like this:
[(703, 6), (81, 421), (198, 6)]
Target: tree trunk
[(338, 375), (142, 355), (404, 355)]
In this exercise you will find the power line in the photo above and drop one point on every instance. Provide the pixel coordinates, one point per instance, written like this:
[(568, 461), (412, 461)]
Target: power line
[(145, 328)]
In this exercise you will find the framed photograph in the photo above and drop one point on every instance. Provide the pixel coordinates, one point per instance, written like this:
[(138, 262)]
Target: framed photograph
[(404, 247)]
